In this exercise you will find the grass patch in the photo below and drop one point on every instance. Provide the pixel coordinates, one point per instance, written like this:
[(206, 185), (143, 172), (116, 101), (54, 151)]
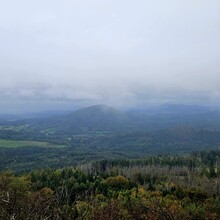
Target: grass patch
[(14, 128), (15, 144)]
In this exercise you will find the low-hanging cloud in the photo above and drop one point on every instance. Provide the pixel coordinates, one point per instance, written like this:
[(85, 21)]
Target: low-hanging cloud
[(60, 54)]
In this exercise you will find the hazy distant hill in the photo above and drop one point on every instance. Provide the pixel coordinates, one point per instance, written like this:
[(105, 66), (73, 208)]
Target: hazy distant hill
[(102, 118), (168, 116), (97, 118), (105, 119)]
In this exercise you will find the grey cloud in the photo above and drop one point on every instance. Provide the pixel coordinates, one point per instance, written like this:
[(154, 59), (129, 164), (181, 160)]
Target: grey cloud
[(121, 53)]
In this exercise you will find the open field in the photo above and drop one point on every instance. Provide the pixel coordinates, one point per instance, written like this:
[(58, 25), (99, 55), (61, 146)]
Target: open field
[(15, 144)]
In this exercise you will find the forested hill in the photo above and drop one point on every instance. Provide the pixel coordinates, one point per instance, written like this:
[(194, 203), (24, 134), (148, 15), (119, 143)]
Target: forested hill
[(102, 118), (98, 118)]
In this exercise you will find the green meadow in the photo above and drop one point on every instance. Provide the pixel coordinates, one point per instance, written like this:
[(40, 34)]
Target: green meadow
[(15, 144)]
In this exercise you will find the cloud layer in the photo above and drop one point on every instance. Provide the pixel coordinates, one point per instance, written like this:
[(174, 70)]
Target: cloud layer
[(57, 54)]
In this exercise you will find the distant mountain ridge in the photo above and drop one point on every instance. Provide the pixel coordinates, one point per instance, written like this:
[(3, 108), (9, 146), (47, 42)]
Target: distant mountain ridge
[(97, 118), (103, 118)]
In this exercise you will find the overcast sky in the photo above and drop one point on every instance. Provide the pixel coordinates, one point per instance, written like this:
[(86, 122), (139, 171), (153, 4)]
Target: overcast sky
[(59, 54)]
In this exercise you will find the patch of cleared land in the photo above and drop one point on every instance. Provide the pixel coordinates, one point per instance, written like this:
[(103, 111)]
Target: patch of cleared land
[(14, 144)]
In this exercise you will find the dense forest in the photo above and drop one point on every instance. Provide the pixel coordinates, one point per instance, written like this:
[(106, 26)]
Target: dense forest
[(158, 187)]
